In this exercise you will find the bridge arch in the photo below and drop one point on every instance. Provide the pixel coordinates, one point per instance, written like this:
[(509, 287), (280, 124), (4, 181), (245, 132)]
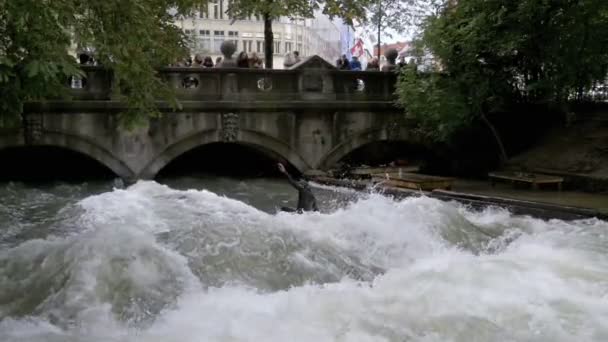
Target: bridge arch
[(257, 140), (361, 139), (73, 143)]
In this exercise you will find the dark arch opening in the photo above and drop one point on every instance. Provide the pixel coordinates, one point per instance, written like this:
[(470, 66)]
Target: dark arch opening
[(226, 159), (398, 153), (49, 163)]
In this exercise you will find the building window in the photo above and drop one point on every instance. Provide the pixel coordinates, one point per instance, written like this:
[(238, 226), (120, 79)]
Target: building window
[(204, 32), (218, 33), (204, 45), (299, 37), (234, 35), (215, 10), (288, 47), (188, 32), (203, 12), (258, 45), (247, 44), (217, 43), (277, 47), (221, 9), (299, 48)]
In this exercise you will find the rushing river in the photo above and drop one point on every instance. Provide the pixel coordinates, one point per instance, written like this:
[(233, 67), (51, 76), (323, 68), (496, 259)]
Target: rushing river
[(163, 263)]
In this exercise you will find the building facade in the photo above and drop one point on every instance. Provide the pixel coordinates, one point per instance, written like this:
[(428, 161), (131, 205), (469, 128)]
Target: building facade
[(211, 25)]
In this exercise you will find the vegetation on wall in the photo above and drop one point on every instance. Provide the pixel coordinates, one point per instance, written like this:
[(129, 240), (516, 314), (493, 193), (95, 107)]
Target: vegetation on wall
[(491, 56), (132, 38)]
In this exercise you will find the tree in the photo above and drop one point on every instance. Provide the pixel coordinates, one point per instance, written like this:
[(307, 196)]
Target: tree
[(271, 10), (132, 38), (495, 55), (398, 16)]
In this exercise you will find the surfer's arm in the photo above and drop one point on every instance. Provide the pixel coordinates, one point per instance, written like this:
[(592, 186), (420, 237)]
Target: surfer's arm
[(291, 181)]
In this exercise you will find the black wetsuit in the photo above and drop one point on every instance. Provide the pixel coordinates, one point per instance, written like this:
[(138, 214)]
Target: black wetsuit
[(306, 199)]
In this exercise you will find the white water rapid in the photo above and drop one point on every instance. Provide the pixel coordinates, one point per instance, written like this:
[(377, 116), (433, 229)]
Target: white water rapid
[(151, 263)]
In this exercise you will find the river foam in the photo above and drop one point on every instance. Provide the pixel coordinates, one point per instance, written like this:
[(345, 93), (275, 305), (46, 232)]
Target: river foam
[(150, 263)]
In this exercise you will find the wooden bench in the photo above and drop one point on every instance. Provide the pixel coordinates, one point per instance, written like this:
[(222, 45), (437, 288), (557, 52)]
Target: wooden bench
[(535, 179), (414, 181)]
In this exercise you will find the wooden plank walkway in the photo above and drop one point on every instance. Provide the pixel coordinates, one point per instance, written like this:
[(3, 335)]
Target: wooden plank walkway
[(534, 179), (414, 181), (369, 171)]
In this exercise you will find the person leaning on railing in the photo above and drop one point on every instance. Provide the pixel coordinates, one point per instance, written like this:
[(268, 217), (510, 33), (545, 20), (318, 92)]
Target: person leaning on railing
[(198, 60), (242, 60), (208, 62), (255, 62), (289, 60), (355, 65), (373, 65)]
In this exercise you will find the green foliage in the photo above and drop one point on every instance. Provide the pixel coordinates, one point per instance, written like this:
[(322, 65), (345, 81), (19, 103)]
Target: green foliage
[(132, 38), (494, 54), (345, 9), (399, 16), (435, 104)]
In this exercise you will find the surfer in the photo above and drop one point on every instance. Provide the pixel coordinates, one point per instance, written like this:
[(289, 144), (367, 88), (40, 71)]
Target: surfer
[(306, 199)]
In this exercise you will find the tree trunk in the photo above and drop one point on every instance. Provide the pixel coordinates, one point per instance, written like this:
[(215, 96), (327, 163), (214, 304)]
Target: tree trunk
[(501, 147), (268, 41)]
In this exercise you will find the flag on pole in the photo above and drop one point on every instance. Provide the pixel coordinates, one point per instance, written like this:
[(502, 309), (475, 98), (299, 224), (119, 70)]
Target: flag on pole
[(358, 50)]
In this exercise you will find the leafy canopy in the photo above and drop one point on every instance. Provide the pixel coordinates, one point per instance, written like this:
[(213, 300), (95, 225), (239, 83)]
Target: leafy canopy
[(132, 38), (493, 54), (345, 9), (399, 16)]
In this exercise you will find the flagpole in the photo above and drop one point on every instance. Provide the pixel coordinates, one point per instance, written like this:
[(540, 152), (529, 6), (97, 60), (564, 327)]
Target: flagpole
[(379, 26)]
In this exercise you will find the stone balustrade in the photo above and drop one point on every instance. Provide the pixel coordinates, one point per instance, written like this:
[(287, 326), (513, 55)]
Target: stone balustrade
[(232, 84)]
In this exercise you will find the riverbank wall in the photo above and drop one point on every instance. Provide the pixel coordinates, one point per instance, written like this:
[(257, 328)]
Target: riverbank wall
[(540, 210)]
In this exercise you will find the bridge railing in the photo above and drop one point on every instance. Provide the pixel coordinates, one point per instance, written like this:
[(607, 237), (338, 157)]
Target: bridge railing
[(225, 84), (364, 85), (95, 85)]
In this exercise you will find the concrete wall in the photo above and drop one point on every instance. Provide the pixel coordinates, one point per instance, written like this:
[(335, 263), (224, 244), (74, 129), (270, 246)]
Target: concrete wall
[(311, 123)]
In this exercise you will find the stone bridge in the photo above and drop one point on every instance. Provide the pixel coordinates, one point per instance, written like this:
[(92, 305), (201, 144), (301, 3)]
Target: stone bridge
[(311, 116)]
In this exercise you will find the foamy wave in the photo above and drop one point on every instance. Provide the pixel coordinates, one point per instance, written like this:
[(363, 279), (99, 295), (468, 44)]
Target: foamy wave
[(156, 264)]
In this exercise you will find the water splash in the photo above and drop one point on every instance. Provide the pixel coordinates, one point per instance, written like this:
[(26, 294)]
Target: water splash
[(150, 263)]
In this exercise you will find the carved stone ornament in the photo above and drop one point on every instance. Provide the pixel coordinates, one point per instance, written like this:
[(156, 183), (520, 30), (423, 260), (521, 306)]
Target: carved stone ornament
[(312, 81), (265, 84), (230, 127), (227, 48), (32, 128), (392, 131)]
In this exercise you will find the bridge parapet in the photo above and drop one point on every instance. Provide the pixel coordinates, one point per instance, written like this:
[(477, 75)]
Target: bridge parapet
[(230, 84)]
